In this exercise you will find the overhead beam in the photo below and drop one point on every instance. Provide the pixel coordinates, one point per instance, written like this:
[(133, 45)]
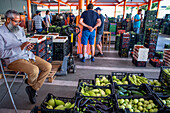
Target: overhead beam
[(124, 9), (149, 5), (158, 8), (39, 3), (62, 2)]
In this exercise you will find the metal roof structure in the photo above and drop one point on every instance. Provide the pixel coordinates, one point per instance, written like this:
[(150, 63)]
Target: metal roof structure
[(129, 3)]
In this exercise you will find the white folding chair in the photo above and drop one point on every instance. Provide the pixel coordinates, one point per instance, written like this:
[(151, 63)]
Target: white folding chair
[(9, 87)]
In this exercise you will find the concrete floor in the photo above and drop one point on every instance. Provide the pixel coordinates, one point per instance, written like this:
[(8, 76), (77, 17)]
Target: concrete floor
[(65, 86)]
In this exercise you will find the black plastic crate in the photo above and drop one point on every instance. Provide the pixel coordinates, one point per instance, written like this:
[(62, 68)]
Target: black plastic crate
[(82, 103), (164, 76), (50, 48), (151, 55), (139, 63), (39, 46), (123, 52), (160, 90), (86, 81), (156, 64), (48, 97), (130, 91), (150, 97), (61, 45), (120, 76), (59, 54), (160, 99), (104, 75), (136, 74), (152, 80), (79, 94)]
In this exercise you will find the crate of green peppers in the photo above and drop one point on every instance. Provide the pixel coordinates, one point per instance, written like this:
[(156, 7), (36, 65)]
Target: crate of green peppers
[(54, 104), (137, 79), (103, 80), (86, 81), (120, 78), (95, 91), (94, 105), (132, 91), (139, 104)]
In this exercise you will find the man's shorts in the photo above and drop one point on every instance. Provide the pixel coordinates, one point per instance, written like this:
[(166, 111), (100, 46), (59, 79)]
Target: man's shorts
[(87, 35), (98, 38)]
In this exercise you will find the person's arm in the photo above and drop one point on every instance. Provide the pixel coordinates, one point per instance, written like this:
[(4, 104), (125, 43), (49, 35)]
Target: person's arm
[(97, 24), (137, 19), (85, 25), (8, 53)]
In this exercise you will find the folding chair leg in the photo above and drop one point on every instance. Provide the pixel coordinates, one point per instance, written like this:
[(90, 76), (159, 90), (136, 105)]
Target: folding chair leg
[(8, 88), (20, 86)]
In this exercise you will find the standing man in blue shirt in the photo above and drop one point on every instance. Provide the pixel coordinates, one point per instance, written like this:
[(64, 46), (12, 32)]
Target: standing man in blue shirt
[(99, 33), (90, 20), (137, 22)]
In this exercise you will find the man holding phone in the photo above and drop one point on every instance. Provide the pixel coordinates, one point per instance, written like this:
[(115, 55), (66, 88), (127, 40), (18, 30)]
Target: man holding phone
[(15, 50), (137, 21)]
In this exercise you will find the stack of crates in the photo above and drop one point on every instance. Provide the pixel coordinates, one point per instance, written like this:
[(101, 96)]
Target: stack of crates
[(112, 28), (166, 57), (119, 26), (117, 42), (149, 20), (139, 39), (61, 47), (151, 41), (2, 19), (132, 40), (124, 45), (140, 56), (39, 42), (49, 48), (106, 26)]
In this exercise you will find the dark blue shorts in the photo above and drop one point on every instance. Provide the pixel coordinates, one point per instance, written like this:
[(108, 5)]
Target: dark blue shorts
[(87, 35)]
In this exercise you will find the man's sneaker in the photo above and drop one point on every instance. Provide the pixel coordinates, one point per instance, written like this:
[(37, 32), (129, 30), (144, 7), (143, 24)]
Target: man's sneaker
[(31, 94), (83, 59), (101, 55), (97, 54), (92, 59)]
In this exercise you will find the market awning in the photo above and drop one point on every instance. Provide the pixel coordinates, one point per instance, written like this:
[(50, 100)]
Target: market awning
[(129, 3)]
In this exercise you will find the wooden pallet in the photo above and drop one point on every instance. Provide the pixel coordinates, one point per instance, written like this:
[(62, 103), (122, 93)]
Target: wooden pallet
[(7, 70), (55, 67)]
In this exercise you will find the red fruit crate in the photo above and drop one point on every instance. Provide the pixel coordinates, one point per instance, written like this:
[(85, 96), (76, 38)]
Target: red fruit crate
[(121, 31), (156, 62), (126, 40)]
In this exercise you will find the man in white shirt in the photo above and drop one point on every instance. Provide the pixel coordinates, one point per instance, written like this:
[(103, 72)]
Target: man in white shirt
[(48, 24), (38, 22)]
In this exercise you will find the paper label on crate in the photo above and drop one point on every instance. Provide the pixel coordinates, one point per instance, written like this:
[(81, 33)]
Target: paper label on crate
[(143, 54)]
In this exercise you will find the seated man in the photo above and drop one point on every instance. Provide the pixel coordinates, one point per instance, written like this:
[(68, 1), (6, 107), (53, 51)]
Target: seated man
[(15, 50)]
